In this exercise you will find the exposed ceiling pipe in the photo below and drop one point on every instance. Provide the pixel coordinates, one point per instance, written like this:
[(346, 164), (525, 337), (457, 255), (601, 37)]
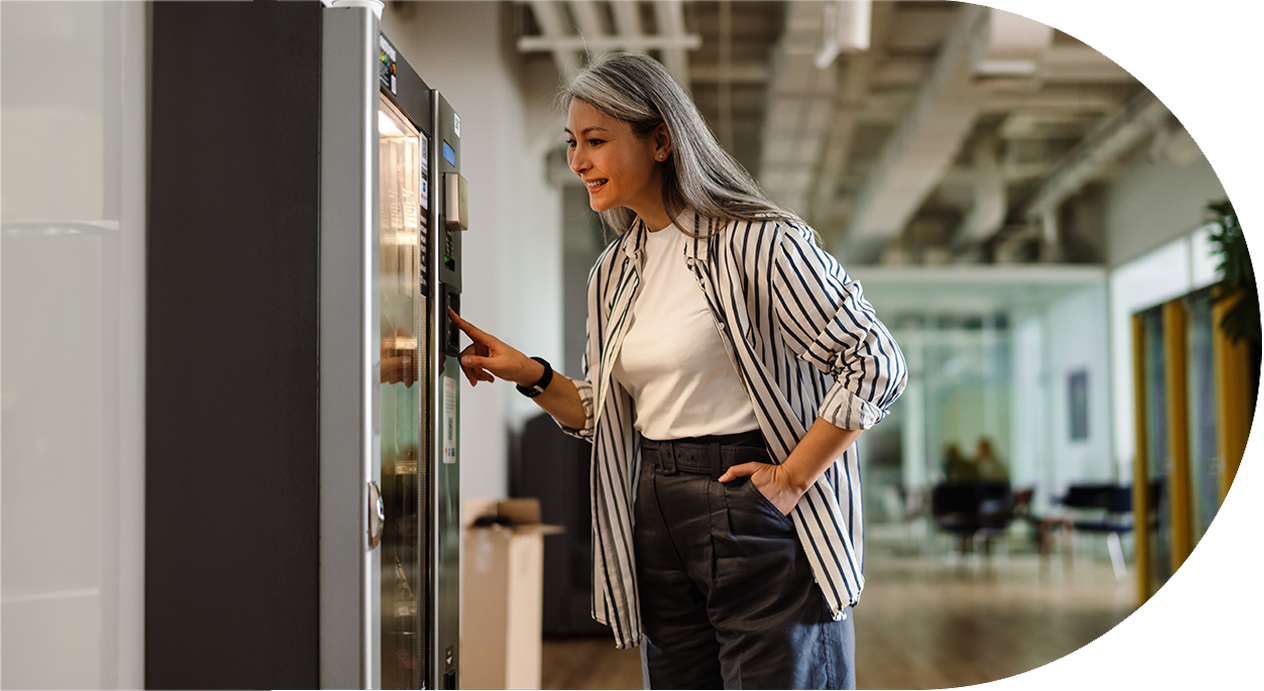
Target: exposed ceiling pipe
[(738, 72), (1141, 116), (1078, 98), (627, 20), (567, 46), (1100, 148), (847, 24), (987, 214), (984, 49), (1015, 47), (548, 15), (1050, 247), (799, 111), (585, 13), (528, 44), (855, 83), (923, 144), (724, 85), (670, 15), (857, 72)]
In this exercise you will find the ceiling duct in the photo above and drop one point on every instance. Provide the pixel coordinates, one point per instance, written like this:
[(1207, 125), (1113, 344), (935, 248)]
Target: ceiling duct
[(847, 24), (987, 213), (983, 50), (1143, 114), (1015, 47), (800, 108), (1100, 148), (568, 40), (923, 144)]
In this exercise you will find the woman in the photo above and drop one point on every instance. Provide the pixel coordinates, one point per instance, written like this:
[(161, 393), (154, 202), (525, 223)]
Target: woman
[(731, 365)]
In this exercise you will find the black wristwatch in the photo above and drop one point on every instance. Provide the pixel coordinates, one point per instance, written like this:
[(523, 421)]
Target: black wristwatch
[(538, 388)]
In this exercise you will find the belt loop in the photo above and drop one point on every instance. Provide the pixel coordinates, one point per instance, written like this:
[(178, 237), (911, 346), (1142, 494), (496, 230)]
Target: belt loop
[(668, 459), (717, 460)]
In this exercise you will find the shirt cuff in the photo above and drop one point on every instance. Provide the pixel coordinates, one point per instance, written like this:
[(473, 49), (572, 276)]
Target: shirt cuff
[(585, 390), (846, 410)]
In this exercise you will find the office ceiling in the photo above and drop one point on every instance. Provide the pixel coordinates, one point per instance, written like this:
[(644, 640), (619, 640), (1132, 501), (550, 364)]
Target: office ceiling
[(921, 132)]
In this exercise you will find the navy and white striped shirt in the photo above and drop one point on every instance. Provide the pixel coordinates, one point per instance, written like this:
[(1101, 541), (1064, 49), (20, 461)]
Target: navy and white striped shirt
[(805, 343)]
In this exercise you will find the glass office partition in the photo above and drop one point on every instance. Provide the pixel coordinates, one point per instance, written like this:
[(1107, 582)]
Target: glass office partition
[(1200, 372), (1159, 566)]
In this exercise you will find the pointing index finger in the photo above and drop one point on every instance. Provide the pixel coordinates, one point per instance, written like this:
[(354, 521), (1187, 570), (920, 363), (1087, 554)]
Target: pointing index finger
[(472, 331)]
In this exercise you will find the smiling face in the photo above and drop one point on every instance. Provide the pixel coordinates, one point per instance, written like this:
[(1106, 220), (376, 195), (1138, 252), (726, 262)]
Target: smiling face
[(619, 168)]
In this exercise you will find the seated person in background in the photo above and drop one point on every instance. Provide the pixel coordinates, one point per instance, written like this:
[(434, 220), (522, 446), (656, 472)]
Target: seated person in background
[(958, 468), (987, 465)]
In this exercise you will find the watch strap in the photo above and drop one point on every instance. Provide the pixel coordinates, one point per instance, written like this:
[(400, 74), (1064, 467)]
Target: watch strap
[(538, 388)]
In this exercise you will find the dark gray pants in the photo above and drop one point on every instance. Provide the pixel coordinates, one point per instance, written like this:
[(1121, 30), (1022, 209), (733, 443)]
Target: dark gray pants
[(727, 595)]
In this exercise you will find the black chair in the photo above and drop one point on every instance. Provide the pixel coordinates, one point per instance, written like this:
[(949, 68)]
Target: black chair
[(1114, 502), (973, 511), (1045, 529)]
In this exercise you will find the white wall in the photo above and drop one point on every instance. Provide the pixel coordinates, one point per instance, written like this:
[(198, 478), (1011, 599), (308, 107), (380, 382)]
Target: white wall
[(1049, 344), (1076, 333), (917, 458), (1029, 454), (513, 249), (1152, 203)]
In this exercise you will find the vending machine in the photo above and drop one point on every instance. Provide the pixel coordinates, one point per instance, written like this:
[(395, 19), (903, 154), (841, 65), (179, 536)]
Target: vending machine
[(407, 257)]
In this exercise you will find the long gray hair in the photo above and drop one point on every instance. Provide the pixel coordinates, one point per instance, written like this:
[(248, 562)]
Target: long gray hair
[(699, 175)]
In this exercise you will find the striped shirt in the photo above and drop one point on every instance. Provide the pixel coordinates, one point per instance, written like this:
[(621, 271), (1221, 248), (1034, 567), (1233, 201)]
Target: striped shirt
[(805, 343)]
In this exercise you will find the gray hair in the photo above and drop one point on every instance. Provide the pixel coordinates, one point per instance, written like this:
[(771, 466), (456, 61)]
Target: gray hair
[(699, 175)]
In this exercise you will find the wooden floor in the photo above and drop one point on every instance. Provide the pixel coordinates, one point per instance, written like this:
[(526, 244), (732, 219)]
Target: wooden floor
[(589, 663), (927, 622)]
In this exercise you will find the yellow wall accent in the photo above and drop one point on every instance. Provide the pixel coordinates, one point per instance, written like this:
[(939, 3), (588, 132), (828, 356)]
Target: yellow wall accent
[(1233, 404), (1175, 367), (1140, 474)]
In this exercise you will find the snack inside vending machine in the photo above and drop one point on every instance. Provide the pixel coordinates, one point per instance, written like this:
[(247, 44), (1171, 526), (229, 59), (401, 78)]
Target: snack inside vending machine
[(392, 215)]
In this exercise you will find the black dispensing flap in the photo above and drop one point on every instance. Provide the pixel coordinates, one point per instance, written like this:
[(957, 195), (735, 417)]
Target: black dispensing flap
[(451, 334)]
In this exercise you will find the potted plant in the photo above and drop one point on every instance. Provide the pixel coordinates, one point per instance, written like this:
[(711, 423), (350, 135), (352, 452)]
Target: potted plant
[(1241, 321)]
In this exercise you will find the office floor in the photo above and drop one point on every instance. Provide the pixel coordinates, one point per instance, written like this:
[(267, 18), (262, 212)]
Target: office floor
[(927, 621)]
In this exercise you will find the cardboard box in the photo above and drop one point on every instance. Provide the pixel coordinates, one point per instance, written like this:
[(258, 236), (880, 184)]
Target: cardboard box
[(502, 595)]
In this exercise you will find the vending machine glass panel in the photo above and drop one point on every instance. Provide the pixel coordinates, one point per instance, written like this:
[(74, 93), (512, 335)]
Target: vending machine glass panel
[(402, 393)]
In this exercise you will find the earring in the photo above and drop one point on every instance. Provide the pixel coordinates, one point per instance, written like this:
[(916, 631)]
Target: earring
[(662, 156)]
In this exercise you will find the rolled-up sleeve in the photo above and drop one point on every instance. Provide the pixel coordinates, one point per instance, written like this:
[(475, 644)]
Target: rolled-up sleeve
[(826, 320), (586, 397)]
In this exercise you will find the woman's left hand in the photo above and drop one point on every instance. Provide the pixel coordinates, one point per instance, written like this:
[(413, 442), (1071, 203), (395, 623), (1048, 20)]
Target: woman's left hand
[(784, 484), (773, 481)]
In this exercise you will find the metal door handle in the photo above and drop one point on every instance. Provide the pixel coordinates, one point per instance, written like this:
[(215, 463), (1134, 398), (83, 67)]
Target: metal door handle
[(377, 515)]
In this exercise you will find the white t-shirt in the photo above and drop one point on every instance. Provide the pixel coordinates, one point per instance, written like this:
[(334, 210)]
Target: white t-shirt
[(672, 360)]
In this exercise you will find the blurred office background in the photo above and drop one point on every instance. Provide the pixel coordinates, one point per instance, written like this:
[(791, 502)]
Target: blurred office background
[(1019, 209)]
